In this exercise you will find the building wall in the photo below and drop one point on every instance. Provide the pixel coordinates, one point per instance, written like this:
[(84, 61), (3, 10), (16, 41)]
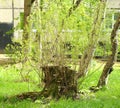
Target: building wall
[(7, 13), (9, 16), (115, 4)]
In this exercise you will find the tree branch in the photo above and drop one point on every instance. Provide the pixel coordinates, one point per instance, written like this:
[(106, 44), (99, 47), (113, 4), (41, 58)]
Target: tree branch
[(74, 7)]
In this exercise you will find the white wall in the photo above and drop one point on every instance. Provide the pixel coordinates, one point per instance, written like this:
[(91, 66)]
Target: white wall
[(6, 14), (114, 4)]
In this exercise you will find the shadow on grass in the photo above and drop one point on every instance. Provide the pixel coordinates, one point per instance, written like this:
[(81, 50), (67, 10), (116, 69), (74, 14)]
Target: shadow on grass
[(8, 102)]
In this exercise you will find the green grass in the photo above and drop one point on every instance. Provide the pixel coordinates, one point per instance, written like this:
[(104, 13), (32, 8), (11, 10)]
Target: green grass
[(11, 84), (88, 103)]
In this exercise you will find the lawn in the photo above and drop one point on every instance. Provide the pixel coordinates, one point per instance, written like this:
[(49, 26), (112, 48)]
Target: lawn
[(12, 84)]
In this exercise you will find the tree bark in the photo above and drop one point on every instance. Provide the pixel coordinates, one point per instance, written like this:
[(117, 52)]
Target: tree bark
[(59, 81), (25, 38), (94, 37), (27, 10), (112, 58)]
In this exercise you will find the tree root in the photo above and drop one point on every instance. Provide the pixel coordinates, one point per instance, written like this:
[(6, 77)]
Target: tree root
[(31, 95), (94, 88)]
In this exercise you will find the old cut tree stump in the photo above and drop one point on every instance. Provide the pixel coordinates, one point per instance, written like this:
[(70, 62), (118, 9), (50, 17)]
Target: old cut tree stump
[(59, 81)]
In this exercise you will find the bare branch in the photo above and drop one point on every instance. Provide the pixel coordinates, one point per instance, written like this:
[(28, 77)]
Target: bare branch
[(74, 7)]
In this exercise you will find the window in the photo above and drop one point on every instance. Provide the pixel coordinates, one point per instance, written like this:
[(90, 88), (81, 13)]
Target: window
[(110, 19)]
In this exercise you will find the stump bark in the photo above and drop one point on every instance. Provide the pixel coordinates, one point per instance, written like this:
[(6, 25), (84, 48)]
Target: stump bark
[(59, 81)]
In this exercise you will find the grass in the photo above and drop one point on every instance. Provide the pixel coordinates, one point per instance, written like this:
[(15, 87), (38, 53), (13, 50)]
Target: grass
[(11, 84)]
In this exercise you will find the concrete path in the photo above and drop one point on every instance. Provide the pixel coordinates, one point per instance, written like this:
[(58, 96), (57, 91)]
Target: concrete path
[(4, 59)]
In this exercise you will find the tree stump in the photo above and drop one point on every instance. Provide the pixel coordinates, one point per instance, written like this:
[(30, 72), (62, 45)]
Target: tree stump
[(59, 81)]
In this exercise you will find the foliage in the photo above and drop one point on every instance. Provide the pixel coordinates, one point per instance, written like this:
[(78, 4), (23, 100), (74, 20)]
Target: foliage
[(51, 36)]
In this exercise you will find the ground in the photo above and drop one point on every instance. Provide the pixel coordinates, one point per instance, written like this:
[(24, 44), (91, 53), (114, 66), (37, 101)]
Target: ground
[(12, 84), (4, 59)]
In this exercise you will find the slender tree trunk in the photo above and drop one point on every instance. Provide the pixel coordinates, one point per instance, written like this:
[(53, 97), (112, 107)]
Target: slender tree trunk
[(112, 58), (27, 10), (94, 37)]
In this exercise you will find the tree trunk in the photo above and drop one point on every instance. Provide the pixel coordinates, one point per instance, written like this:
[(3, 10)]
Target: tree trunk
[(109, 65), (27, 10), (59, 81), (25, 38), (89, 52)]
